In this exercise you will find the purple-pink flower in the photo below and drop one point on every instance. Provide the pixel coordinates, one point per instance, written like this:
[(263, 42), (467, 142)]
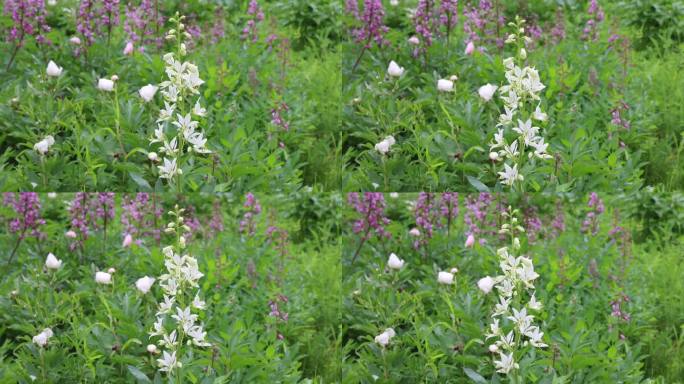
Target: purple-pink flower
[(371, 209), (27, 220), (253, 208), (250, 31), (372, 27), (142, 24)]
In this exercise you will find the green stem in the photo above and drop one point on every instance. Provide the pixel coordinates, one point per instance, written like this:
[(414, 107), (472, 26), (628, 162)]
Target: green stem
[(117, 111), (386, 177)]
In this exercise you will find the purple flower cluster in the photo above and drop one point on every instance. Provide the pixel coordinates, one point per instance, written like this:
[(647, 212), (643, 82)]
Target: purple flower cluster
[(275, 310), (85, 212), (250, 31), (483, 24), (596, 16), (425, 24), (216, 221), (431, 213), (591, 221), (26, 206), (276, 116), (478, 221), (279, 238), (371, 20), (191, 219), (247, 224), (616, 307), (532, 224), (429, 18), (426, 218), (142, 24), (278, 314), (557, 31), (95, 17), (616, 116), (140, 217), (28, 19), (371, 207), (448, 14), (218, 28), (558, 222), (352, 8)]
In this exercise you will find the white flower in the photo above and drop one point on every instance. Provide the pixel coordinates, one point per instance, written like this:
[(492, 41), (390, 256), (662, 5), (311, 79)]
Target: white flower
[(75, 40), (493, 156), (53, 70), (198, 110), (166, 113), (166, 305), (147, 92), (394, 69), (168, 362), (152, 156), (470, 48), (395, 262), (493, 348), (445, 85), (384, 146), (151, 348), (52, 262), (42, 338), (487, 91), (105, 85), (527, 131), (534, 304), (103, 278), (510, 175), (394, 3), (384, 338), (413, 40), (169, 340), (198, 303), (445, 278), (415, 232), (185, 318), (127, 241), (44, 145), (539, 115), (70, 234), (506, 364), (485, 284), (128, 49), (470, 241), (540, 149), (535, 337), (198, 336), (111, 271), (144, 284), (169, 169)]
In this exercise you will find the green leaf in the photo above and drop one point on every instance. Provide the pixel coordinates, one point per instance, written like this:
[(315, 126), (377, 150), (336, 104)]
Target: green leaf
[(138, 374), (474, 376), (477, 184), (142, 183)]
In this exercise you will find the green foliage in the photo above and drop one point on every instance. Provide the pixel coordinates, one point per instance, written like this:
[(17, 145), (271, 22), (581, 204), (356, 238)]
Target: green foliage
[(656, 21), (101, 331), (439, 328)]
